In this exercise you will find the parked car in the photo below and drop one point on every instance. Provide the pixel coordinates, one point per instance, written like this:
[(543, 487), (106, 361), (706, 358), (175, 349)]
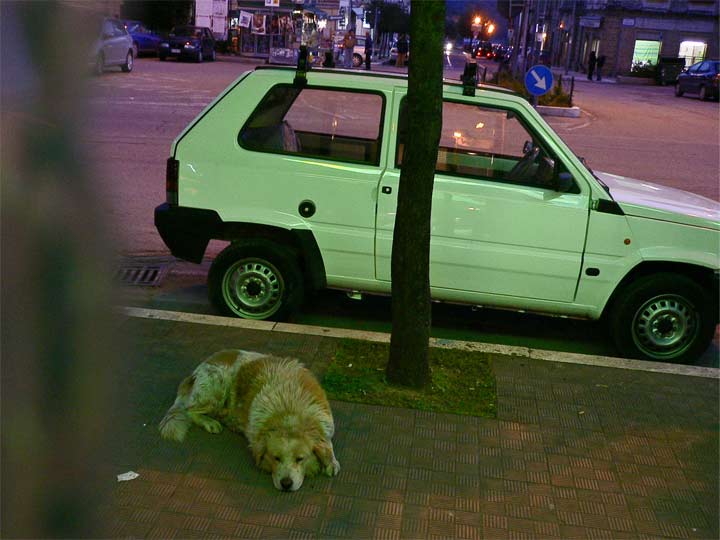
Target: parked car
[(188, 43), (113, 47), (701, 78), (394, 53), (305, 194), (145, 41)]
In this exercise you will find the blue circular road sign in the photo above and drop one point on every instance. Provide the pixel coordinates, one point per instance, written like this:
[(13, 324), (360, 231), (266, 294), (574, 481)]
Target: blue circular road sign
[(539, 80)]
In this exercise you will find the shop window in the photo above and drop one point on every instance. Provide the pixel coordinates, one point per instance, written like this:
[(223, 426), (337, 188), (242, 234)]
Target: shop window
[(646, 54), (692, 51)]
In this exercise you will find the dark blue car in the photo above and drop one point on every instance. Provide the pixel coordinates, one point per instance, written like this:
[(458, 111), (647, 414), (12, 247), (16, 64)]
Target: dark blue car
[(144, 41)]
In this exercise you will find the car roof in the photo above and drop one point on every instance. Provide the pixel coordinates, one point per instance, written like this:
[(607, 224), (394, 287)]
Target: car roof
[(390, 78)]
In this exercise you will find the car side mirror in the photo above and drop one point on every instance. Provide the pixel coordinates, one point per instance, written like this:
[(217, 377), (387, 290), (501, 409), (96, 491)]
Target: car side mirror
[(563, 182), (528, 146)]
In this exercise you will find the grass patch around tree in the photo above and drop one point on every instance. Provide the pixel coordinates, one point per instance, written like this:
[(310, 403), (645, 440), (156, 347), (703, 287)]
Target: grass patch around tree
[(462, 382)]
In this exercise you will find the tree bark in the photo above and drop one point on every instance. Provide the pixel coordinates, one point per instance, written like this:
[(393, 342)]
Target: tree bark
[(411, 309)]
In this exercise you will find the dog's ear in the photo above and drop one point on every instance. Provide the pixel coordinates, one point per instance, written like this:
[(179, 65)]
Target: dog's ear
[(323, 450)]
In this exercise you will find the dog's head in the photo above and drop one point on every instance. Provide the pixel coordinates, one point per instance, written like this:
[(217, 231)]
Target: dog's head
[(289, 457)]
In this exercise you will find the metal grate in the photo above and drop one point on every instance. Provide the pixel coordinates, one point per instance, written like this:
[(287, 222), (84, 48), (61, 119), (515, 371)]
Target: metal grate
[(146, 275)]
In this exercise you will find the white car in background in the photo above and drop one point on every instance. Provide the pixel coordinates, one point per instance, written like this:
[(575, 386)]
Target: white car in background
[(113, 47)]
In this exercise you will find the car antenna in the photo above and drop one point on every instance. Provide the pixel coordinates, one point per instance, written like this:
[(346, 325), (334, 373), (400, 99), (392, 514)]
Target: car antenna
[(469, 78), (303, 66)]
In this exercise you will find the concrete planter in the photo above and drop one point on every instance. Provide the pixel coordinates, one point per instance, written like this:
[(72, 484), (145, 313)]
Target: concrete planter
[(568, 112), (624, 79)]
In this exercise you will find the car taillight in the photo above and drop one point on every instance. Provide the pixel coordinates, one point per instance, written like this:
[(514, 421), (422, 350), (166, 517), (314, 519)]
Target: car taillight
[(171, 181)]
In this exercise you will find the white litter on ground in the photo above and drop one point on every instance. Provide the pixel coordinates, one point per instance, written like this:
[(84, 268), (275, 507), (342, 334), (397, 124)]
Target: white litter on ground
[(130, 475)]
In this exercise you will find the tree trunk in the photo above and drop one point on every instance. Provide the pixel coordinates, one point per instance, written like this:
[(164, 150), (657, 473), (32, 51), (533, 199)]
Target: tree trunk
[(408, 364)]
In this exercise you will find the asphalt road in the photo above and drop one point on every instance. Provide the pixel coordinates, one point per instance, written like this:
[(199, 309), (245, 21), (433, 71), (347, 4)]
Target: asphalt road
[(642, 132)]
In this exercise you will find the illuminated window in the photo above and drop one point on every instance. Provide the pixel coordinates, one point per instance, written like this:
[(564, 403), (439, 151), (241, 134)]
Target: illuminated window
[(646, 52), (692, 51)]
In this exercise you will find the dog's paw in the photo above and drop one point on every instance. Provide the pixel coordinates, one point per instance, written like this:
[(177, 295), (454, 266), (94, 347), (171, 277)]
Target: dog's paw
[(212, 426), (332, 468)]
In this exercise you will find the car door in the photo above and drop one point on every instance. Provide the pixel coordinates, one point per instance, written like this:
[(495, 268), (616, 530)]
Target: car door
[(693, 80), (492, 232)]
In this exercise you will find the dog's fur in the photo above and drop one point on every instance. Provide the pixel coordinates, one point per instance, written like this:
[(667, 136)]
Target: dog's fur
[(276, 402)]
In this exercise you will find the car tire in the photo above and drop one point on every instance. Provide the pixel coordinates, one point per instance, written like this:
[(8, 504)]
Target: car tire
[(199, 57), (703, 93), (99, 64), (357, 60), (127, 67), (256, 279), (678, 90), (212, 56), (663, 317)]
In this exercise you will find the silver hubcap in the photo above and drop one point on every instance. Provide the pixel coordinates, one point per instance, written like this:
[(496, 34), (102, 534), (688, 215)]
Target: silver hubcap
[(129, 61), (253, 288), (665, 326)]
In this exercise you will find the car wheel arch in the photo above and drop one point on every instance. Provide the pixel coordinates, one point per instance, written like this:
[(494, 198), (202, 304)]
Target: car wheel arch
[(700, 274), (301, 241)]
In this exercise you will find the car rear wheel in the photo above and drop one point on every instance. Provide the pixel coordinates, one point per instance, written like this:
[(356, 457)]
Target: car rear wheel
[(703, 93), (256, 279), (212, 56), (199, 57), (678, 90), (663, 317), (128, 65)]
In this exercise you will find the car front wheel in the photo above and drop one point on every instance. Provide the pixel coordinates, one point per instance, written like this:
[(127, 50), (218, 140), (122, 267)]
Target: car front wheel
[(128, 65), (663, 317), (678, 90), (256, 279), (703, 93)]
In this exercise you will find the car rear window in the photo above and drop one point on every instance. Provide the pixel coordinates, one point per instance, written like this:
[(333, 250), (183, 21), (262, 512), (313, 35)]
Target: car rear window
[(328, 123)]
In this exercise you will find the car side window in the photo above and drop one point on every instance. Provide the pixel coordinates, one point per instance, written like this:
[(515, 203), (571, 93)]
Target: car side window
[(327, 123), (704, 67), (118, 29), (486, 143), (694, 68)]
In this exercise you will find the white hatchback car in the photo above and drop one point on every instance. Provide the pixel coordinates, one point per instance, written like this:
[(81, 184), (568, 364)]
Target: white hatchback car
[(299, 174), (113, 47)]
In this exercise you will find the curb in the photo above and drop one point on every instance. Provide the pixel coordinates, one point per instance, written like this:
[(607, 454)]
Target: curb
[(470, 346), (568, 112)]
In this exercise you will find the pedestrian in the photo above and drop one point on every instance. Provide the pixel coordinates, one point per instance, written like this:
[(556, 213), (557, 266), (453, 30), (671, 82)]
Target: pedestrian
[(349, 48), (592, 60), (402, 51), (368, 49), (599, 66)]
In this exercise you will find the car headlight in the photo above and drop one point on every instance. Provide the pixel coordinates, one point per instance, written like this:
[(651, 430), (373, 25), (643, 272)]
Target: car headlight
[(448, 47)]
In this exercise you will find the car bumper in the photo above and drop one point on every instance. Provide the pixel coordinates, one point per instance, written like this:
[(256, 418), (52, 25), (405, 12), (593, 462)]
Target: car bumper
[(174, 52), (187, 231)]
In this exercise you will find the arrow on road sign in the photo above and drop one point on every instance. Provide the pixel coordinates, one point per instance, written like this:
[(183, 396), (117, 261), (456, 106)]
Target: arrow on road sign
[(539, 81)]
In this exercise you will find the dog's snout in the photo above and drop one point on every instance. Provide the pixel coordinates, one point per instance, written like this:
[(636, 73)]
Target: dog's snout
[(286, 483)]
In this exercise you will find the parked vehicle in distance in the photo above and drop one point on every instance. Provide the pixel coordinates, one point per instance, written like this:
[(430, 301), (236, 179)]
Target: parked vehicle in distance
[(305, 194), (701, 78), (394, 53), (113, 47), (145, 41), (358, 50), (188, 43)]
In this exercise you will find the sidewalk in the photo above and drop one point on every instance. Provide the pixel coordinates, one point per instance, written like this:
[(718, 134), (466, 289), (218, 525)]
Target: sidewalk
[(576, 452)]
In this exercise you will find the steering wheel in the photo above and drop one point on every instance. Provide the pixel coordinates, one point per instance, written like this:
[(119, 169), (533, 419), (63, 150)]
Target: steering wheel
[(523, 167)]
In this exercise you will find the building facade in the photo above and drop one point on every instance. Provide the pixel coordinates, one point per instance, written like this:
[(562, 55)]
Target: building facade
[(630, 34)]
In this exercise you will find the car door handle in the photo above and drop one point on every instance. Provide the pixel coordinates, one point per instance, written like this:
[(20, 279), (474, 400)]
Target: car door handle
[(387, 190)]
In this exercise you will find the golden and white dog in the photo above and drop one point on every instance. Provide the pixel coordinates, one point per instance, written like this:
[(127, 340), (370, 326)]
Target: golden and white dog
[(276, 402)]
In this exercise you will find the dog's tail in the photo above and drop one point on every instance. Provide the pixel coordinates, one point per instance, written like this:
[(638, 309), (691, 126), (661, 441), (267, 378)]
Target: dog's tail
[(175, 425)]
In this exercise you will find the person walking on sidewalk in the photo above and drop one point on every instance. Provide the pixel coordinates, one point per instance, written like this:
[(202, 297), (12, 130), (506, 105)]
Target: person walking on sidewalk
[(368, 49), (599, 66), (402, 51), (349, 48), (592, 60)]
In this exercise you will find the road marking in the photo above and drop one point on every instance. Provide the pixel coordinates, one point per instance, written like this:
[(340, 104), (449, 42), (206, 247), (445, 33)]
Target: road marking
[(382, 337)]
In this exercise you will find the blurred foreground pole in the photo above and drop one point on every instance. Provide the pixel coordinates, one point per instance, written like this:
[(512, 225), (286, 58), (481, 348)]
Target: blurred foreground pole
[(58, 351)]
